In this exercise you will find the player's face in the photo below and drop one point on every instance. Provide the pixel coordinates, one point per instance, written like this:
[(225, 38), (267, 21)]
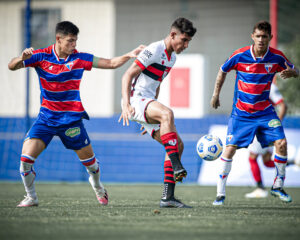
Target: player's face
[(261, 40), (67, 43), (180, 42)]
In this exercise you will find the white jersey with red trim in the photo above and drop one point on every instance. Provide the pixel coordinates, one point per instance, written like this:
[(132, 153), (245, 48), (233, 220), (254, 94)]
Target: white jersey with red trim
[(275, 95), (155, 64)]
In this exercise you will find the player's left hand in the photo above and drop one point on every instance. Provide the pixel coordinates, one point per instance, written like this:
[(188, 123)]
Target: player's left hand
[(143, 130), (288, 72), (135, 52)]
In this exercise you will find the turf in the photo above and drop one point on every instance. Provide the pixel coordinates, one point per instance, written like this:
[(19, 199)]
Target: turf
[(71, 211)]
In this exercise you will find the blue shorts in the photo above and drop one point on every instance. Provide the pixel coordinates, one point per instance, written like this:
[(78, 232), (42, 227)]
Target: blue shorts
[(73, 136), (241, 130)]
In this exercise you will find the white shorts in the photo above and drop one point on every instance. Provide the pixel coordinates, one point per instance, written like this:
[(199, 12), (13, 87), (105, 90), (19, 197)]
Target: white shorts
[(256, 148), (140, 105)]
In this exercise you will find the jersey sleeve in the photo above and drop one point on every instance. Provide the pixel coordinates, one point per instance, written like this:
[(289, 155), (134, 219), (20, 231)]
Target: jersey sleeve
[(35, 59), (275, 95), (146, 57), (283, 61), (230, 64), (86, 61)]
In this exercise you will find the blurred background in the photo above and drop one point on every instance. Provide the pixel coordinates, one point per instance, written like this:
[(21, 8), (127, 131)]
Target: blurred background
[(113, 27)]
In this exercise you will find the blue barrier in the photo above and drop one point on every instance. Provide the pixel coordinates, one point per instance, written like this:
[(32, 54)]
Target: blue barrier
[(124, 155)]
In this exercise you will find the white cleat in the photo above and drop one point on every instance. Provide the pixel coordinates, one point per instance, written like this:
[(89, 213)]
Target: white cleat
[(220, 200), (257, 193), (101, 194), (29, 202)]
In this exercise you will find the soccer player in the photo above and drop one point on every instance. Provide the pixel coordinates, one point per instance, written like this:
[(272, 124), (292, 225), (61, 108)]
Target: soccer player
[(60, 68), (252, 112), (255, 148), (140, 89)]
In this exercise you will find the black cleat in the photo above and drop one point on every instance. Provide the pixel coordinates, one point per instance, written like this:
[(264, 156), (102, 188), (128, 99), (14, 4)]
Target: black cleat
[(179, 175), (172, 203)]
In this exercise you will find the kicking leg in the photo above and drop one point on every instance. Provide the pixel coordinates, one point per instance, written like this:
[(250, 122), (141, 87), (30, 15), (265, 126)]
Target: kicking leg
[(88, 159)]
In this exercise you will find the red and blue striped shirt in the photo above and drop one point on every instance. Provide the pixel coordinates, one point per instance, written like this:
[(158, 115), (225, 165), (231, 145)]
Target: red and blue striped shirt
[(253, 80), (59, 84)]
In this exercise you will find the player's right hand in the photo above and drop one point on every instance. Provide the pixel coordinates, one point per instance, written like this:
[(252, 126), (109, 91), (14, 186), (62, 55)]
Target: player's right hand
[(215, 102), (143, 130), (126, 114), (27, 53)]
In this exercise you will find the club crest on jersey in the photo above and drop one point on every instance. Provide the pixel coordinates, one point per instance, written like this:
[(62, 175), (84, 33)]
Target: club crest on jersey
[(229, 137), (274, 123), (268, 67), (69, 65), (172, 142), (72, 132)]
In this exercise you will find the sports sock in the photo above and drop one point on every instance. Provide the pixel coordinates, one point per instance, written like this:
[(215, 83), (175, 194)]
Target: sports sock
[(93, 169), (255, 169), (28, 174), (269, 164), (225, 170), (280, 164), (169, 183), (170, 143)]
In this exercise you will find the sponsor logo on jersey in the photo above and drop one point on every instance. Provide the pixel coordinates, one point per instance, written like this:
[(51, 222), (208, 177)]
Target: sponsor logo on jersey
[(163, 56), (268, 67), (72, 132), (229, 138), (69, 65), (172, 142), (248, 68), (50, 68), (274, 123)]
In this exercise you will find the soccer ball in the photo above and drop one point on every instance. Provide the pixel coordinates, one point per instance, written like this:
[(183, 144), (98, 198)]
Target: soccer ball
[(209, 147)]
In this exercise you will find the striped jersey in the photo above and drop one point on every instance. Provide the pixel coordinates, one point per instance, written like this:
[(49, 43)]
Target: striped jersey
[(253, 80), (59, 84), (155, 64)]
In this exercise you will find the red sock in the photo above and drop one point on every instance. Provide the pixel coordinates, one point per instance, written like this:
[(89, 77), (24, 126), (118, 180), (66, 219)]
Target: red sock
[(255, 169), (170, 143), (169, 173), (269, 164)]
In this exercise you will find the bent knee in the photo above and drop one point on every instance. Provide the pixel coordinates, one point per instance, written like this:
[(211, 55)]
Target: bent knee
[(167, 115), (281, 145)]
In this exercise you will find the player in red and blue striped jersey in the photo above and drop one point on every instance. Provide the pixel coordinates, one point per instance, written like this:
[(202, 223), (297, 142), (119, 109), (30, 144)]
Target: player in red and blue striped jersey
[(252, 111), (60, 68)]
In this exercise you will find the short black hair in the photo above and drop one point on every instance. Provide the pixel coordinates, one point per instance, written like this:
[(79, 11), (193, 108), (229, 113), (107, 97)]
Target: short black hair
[(66, 28), (184, 26), (263, 26)]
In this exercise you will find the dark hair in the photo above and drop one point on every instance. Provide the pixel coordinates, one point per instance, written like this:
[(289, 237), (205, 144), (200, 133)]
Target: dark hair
[(66, 28), (263, 26), (184, 26)]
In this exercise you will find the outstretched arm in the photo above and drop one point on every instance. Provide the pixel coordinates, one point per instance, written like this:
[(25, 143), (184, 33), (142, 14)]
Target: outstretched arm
[(17, 62), (127, 110), (215, 101), (116, 61)]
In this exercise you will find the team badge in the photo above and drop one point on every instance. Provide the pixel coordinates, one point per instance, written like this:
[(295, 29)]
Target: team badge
[(274, 123), (229, 137), (172, 142), (268, 67), (72, 132), (69, 65)]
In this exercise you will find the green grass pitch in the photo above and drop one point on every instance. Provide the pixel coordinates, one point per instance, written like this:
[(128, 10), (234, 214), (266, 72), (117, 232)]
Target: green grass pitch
[(71, 211)]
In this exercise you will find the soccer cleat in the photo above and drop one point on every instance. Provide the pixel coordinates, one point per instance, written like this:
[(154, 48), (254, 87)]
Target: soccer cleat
[(103, 200), (257, 193), (279, 192), (219, 201), (29, 202), (172, 202), (179, 175)]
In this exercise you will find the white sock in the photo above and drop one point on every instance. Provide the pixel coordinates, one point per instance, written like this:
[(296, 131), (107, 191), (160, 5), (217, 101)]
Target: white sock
[(28, 175), (94, 172), (224, 172), (280, 164)]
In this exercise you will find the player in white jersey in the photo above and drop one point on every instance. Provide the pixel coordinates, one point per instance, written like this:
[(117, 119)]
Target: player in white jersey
[(255, 148), (140, 89)]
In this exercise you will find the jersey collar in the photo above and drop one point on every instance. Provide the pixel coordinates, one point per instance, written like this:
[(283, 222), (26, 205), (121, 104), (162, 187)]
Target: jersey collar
[(252, 53)]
